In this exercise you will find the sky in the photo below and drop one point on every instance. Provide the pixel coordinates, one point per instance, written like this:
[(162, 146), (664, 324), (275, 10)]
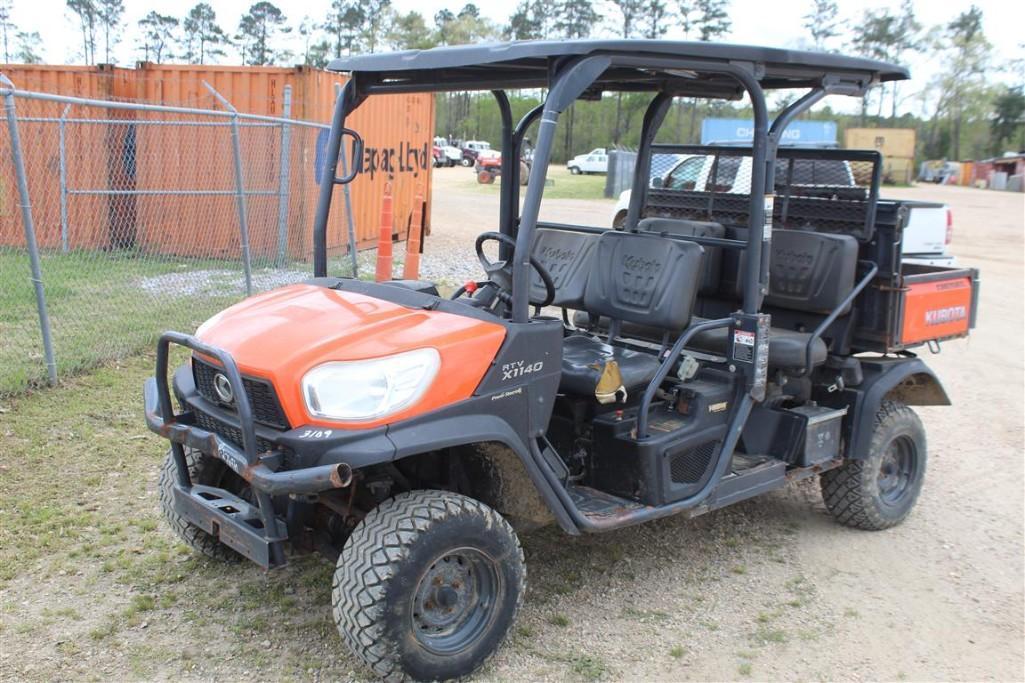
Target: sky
[(758, 22)]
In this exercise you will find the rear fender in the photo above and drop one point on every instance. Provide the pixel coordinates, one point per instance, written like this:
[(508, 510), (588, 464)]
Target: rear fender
[(904, 379)]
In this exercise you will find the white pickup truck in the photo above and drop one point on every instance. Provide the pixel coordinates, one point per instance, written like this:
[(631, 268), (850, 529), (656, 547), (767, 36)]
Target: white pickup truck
[(595, 161), (926, 235)]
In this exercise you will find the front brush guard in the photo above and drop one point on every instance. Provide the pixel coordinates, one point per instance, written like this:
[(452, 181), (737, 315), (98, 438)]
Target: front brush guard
[(252, 530)]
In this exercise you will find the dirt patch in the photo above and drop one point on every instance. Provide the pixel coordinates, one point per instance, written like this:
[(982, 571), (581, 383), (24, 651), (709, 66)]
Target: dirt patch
[(93, 586)]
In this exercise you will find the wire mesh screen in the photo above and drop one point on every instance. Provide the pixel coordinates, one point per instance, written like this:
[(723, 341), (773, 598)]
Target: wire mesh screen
[(141, 227), (829, 190)]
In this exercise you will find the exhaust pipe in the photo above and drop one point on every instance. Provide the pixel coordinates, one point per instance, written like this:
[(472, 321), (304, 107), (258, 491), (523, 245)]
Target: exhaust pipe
[(341, 476)]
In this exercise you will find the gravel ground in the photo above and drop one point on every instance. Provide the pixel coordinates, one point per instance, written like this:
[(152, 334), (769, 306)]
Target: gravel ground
[(92, 586), (940, 597)]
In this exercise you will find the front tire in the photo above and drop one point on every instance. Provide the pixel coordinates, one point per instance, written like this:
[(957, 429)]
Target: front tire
[(209, 471), (879, 492), (574, 170), (428, 585), (467, 162)]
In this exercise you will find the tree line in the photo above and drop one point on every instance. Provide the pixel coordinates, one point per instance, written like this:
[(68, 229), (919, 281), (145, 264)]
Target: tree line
[(969, 116)]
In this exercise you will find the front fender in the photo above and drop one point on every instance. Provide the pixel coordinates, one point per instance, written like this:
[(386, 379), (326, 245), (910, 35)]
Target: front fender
[(473, 429)]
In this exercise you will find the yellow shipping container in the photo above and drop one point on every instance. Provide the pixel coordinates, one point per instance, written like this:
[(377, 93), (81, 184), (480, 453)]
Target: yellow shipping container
[(897, 145)]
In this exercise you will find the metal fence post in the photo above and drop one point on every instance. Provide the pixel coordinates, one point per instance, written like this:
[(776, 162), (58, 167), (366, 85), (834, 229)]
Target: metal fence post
[(240, 188), (348, 201), (283, 180), (63, 158), (30, 228)]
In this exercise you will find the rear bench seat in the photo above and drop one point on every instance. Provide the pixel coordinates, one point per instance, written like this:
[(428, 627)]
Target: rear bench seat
[(810, 274)]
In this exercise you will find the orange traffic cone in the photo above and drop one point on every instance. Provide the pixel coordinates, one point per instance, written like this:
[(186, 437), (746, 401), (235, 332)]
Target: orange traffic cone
[(411, 269), (384, 245)]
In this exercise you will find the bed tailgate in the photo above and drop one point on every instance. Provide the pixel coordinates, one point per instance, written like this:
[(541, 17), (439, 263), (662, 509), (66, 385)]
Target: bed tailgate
[(936, 303)]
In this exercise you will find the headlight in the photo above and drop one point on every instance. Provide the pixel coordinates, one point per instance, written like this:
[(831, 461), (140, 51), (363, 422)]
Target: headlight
[(369, 389)]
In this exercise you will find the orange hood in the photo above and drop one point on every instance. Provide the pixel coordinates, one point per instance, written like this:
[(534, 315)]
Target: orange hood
[(282, 334)]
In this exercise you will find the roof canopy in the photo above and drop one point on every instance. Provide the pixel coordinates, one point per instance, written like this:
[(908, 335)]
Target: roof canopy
[(673, 66)]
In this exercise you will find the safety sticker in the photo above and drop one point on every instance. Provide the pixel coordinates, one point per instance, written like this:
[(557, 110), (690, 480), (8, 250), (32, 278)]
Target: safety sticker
[(743, 346), (770, 205)]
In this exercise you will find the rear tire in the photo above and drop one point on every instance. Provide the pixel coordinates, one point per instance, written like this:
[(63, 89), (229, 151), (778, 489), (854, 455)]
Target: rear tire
[(619, 222), (428, 585), (467, 162), (209, 471), (879, 492)]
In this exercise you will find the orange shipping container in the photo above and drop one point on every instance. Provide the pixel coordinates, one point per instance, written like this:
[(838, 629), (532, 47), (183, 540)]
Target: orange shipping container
[(144, 156)]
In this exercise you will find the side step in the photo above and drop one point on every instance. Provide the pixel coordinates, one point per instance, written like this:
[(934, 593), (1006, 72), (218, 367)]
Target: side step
[(749, 476), (598, 505)]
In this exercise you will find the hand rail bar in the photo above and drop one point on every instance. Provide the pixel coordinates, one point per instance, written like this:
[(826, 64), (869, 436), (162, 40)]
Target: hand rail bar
[(831, 318), (740, 245), (666, 366)]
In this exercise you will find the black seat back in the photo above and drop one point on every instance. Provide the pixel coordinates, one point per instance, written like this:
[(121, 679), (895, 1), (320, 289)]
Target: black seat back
[(644, 278), (811, 271), (568, 257), (711, 263)]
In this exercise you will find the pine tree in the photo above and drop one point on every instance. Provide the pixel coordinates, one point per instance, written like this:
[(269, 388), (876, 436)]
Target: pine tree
[(158, 35), (575, 18), (109, 13), (28, 47), (86, 12), (344, 23), (203, 36), (7, 29), (654, 19), (823, 22), (377, 15), (714, 19), (257, 31), (631, 11)]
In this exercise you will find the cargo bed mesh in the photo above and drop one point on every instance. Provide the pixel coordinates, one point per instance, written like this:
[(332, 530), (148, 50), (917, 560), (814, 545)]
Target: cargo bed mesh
[(825, 190)]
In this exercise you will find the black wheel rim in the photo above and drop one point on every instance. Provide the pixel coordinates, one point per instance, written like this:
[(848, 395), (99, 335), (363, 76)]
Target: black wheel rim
[(898, 471), (456, 600)]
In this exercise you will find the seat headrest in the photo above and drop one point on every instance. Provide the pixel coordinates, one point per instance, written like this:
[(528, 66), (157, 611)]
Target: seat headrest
[(811, 271), (711, 264), (644, 278)]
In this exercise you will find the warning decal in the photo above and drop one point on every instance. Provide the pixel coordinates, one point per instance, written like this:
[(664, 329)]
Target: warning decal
[(743, 346)]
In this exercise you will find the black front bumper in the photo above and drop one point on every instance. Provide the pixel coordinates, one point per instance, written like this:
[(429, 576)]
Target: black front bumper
[(252, 530)]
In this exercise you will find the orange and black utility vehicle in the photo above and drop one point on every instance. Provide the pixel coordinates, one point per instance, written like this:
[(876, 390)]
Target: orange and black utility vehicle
[(719, 345)]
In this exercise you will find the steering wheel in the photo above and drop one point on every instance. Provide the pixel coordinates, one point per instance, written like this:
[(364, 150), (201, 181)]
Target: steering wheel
[(500, 272)]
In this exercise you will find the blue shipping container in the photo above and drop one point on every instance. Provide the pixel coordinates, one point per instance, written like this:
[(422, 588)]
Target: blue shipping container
[(741, 131)]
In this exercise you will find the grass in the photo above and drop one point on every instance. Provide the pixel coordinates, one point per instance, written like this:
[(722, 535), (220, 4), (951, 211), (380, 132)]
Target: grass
[(560, 620), (589, 667), (83, 549), (563, 184), (109, 305), (767, 634)]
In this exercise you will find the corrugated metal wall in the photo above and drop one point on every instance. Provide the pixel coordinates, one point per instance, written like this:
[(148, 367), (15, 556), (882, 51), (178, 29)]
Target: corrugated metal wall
[(397, 130)]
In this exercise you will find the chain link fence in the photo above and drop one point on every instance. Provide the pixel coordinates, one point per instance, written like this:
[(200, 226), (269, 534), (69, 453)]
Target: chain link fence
[(121, 220)]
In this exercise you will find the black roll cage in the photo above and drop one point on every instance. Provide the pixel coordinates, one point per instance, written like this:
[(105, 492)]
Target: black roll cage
[(568, 78)]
